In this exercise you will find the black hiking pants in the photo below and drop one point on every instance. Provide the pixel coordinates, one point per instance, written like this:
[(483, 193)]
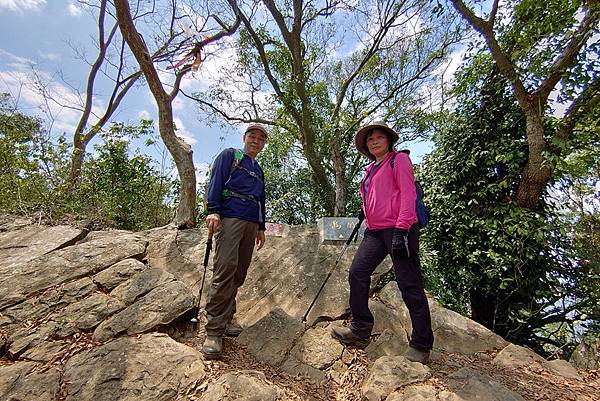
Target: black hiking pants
[(373, 249)]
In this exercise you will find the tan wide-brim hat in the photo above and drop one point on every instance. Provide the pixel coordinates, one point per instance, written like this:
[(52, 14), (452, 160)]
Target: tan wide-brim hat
[(257, 127), (360, 139)]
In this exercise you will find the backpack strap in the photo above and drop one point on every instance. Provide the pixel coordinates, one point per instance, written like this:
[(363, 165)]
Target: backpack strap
[(393, 159)]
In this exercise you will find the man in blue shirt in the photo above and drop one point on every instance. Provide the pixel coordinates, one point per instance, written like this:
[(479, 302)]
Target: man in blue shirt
[(236, 214)]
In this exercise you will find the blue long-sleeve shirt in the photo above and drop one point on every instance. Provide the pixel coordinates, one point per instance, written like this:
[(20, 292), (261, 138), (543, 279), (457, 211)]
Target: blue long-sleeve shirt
[(247, 179)]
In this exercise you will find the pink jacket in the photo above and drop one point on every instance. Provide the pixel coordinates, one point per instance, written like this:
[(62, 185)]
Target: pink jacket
[(392, 194)]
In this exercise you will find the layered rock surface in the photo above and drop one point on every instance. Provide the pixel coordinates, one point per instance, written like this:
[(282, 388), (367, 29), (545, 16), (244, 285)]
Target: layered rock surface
[(105, 316)]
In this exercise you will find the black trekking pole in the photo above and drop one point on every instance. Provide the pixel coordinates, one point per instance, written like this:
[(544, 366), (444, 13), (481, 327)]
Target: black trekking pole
[(348, 241), (196, 316)]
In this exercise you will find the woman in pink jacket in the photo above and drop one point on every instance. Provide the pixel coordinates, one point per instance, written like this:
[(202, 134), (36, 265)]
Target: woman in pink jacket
[(388, 197)]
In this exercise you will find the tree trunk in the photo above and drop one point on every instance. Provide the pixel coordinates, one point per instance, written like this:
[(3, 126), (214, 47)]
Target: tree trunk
[(76, 163), (536, 173), (182, 154), (339, 168), (177, 147)]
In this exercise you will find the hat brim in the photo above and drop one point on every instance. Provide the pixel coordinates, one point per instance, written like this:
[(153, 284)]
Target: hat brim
[(259, 129), (360, 139)]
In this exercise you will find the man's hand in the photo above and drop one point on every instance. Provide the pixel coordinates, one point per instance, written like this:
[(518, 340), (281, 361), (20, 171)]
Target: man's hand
[(400, 244), (213, 221), (260, 239)]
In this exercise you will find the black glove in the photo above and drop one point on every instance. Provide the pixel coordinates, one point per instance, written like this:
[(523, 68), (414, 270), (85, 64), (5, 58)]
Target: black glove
[(361, 214), (400, 244)]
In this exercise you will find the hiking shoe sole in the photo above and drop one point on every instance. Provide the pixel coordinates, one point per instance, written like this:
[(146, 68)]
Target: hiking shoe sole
[(212, 356)]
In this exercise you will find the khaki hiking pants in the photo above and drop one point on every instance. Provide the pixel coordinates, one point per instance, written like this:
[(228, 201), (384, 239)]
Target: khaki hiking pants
[(235, 241)]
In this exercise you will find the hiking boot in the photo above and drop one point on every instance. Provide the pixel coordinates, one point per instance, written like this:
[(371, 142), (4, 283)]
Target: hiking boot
[(415, 355), (212, 347), (347, 337), (233, 329)]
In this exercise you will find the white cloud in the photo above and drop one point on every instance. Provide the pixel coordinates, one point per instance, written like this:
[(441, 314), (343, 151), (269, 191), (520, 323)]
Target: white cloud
[(21, 5), (74, 10), (182, 132), (61, 110), (15, 61), (144, 114), (50, 56)]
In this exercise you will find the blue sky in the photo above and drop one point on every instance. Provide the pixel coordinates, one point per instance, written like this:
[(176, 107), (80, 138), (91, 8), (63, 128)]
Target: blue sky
[(42, 33)]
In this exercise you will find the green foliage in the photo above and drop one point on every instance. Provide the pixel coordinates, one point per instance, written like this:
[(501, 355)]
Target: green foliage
[(292, 197), (340, 67), (117, 189), (123, 190), (25, 158), (507, 266), (577, 199)]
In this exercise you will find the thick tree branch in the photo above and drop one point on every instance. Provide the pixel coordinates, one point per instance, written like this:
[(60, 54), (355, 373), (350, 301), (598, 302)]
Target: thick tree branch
[(485, 28)]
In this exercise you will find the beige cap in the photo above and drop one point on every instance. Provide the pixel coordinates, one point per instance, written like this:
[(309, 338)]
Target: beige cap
[(257, 127)]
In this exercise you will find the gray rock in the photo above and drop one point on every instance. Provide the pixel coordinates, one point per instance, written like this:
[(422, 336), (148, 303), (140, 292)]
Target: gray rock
[(245, 385), (66, 294), (179, 252), (423, 393), (456, 333), (470, 385), (86, 314), (560, 367), (160, 306), (46, 350), (65, 265), (147, 367), (20, 246), (109, 278), (317, 348), (29, 337), (140, 284), (272, 337), (285, 275), (20, 381), (387, 344), (514, 357), (314, 352), (35, 309), (296, 368), (389, 373), (452, 331), (10, 222), (587, 354), (3, 340), (393, 318)]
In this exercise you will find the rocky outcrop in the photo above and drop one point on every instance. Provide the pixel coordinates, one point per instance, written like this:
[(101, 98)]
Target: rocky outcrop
[(86, 318), (149, 367), (247, 385)]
